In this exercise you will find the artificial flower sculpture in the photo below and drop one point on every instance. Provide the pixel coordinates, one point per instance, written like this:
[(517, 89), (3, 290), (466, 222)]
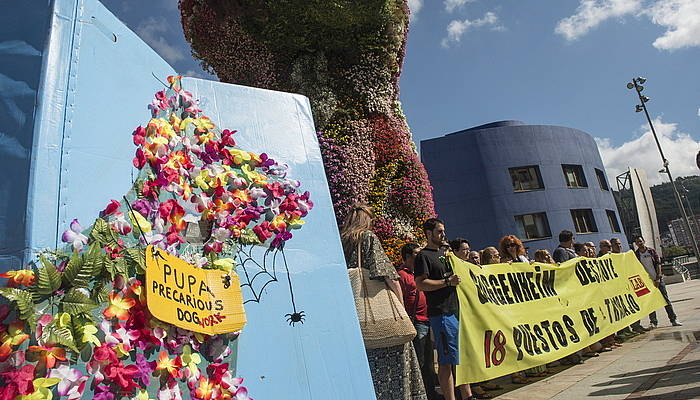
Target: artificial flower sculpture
[(190, 172)]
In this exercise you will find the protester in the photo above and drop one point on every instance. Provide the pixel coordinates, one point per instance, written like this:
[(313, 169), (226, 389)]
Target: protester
[(564, 251), (580, 250), (543, 256), (651, 262), (512, 249), (461, 248), (590, 248), (474, 257), (615, 245), (605, 247), (417, 309), (395, 370), (437, 280), (490, 255)]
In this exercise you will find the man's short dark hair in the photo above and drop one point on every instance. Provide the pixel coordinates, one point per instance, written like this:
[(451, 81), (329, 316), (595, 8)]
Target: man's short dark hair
[(639, 237), (578, 247), (407, 250), (565, 236), (431, 223), (456, 243)]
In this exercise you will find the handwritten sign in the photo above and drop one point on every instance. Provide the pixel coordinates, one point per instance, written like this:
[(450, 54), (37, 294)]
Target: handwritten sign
[(208, 301)]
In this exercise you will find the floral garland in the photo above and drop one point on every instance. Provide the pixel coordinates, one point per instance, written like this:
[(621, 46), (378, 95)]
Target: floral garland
[(346, 56), (189, 172)]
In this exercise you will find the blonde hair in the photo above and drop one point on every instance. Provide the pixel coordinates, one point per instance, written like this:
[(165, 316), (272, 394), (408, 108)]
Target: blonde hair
[(543, 256), (488, 255), (358, 220)]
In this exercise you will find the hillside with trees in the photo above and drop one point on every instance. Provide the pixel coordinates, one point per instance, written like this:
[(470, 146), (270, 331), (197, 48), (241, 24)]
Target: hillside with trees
[(665, 202)]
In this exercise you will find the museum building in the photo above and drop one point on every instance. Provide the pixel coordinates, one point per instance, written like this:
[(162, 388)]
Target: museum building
[(533, 181)]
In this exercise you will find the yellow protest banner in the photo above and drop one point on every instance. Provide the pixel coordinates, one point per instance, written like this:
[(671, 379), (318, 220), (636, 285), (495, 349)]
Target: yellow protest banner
[(518, 316), (208, 301)]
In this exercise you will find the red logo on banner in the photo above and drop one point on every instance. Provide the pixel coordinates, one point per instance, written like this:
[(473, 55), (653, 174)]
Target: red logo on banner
[(640, 289)]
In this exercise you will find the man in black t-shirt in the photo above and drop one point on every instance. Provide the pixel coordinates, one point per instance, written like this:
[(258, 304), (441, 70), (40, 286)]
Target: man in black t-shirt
[(436, 279)]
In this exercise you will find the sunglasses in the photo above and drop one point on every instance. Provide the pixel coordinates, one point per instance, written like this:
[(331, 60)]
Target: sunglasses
[(512, 245)]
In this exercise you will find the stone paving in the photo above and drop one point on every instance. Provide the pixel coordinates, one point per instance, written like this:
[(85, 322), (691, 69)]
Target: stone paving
[(661, 364)]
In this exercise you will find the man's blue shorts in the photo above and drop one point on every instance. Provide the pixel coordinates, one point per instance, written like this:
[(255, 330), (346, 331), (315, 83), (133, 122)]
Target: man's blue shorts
[(446, 332)]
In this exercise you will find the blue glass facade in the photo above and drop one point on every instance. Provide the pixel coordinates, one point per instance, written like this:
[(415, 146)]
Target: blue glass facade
[(472, 172)]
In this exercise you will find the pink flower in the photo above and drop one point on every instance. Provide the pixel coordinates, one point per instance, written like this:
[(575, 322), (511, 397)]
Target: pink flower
[(74, 235), (119, 224), (72, 382)]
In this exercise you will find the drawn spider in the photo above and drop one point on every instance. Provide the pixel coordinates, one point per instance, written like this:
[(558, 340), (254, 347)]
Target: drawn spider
[(295, 317)]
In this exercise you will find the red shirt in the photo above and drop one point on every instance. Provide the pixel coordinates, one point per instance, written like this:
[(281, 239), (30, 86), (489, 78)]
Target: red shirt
[(408, 287)]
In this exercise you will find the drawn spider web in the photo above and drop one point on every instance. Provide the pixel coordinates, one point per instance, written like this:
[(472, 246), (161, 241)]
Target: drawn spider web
[(253, 274), (256, 276)]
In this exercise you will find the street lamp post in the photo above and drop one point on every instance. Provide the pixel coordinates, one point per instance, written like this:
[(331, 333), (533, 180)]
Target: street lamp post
[(636, 84)]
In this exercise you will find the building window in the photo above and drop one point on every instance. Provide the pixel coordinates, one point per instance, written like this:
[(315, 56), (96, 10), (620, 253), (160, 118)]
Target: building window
[(584, 221), (533, 226), (526, 178), (601, 179), (574, 176), (612, 218)]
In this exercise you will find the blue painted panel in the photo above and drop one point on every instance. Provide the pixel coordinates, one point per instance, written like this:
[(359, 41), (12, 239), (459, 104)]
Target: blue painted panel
[(97, 81), (324, 358), (23, 32)]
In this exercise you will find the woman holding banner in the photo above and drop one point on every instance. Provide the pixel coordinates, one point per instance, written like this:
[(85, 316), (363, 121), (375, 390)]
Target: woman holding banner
[(512, 250), (395, 371)]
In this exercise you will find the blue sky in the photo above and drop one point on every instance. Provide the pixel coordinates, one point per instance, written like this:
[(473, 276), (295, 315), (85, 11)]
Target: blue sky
[(471, 62)]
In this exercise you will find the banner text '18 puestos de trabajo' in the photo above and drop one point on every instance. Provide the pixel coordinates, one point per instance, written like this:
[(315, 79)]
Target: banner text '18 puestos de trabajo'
[(517, 316)]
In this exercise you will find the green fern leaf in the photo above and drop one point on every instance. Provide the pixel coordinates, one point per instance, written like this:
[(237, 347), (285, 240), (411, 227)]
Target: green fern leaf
[(63, 336), (102, 234), (49, 278), (137, 259), (76, 303), (24, 303)]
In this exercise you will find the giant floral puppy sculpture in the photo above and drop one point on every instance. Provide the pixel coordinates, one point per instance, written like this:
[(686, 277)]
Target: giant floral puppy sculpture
[(86, 302), (346, 57)]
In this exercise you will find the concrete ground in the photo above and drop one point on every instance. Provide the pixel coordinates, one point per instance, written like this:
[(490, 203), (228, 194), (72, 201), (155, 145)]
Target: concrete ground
[(661, 364)]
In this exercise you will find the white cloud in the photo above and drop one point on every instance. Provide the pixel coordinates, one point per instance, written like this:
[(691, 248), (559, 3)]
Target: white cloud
[(451, 5), (151, 30), (679, 148), (195, 74), (681, 18), (414, 6), (590, 13), (456, 28)]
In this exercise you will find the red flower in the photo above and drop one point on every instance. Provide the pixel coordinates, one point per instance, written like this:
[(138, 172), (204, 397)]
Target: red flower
[(122, 375)]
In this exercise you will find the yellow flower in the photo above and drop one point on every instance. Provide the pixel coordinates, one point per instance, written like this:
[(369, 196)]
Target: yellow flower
[(88, 335), (225, 264), (41, 389), (139, 221), (63, 320), (203, 124), (239, 156), (142, 395), (251, 175), (190, 360), (202, 180)]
